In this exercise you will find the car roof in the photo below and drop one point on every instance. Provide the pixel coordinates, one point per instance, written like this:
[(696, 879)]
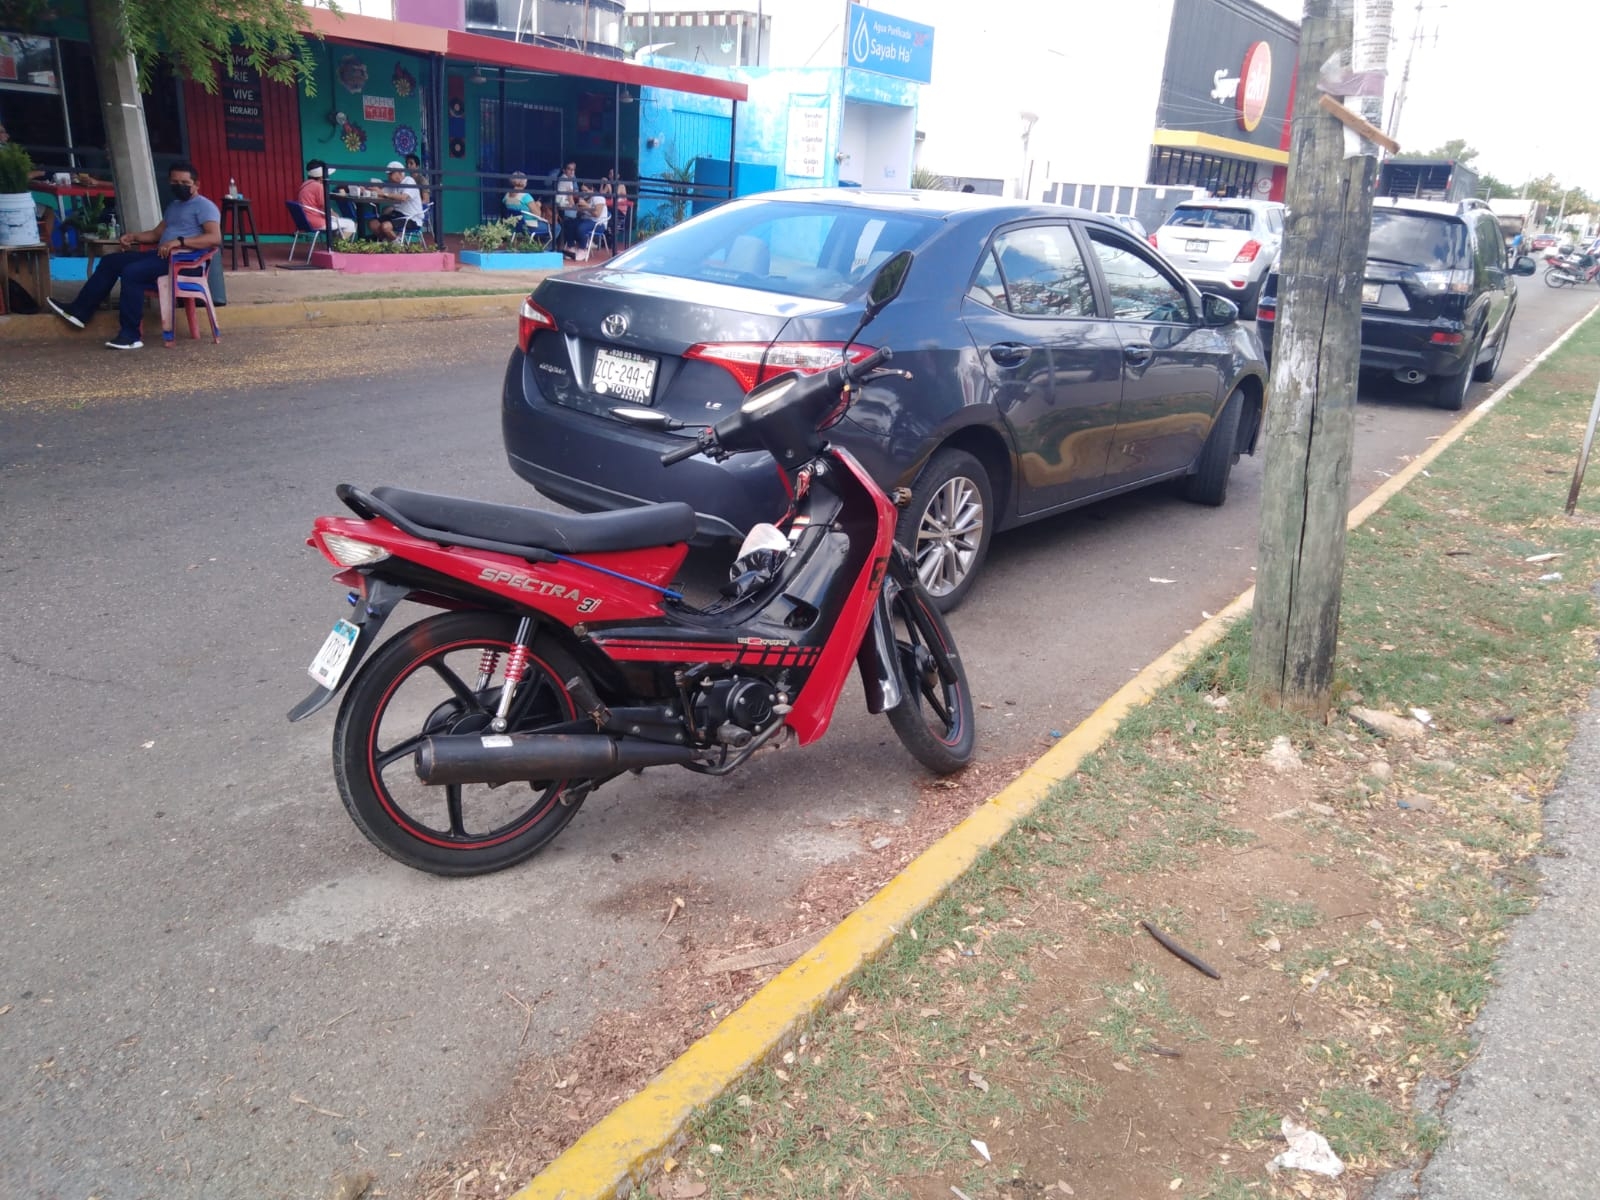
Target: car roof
[(1438, 208), (1224, 202), (952, 206)]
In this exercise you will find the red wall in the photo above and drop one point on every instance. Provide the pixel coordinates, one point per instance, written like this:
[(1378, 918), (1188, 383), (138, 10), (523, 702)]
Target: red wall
[(268, 177)]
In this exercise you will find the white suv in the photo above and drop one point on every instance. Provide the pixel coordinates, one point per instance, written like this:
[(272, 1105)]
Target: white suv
[(1224, 246)]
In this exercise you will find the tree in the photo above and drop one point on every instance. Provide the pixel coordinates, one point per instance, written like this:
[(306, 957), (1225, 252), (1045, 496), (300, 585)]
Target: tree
[(198, 39), (1456, 150)]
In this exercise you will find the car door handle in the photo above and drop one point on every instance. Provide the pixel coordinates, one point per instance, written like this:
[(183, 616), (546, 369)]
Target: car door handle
[(1010, 354), (1138, 354)]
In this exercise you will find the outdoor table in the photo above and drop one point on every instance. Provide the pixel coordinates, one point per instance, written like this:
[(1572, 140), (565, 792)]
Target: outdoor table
[(239, 229), (96, 248), (62, 190), (35, 258), (366, 207)]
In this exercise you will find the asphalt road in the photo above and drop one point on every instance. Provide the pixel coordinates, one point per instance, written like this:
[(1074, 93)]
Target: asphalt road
[(212, 986)]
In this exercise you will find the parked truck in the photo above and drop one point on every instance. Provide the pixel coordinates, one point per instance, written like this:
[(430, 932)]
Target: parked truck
[(1517, 216), (1427, 179)]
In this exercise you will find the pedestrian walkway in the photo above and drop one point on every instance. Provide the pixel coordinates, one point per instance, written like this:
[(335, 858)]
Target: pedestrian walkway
[(281, 295)]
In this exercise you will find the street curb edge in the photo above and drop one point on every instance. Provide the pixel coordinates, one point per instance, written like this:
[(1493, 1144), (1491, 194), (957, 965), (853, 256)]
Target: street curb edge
[(301, 314)]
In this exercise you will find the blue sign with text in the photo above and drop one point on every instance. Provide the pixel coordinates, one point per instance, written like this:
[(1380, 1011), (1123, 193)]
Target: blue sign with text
[(891, 45)]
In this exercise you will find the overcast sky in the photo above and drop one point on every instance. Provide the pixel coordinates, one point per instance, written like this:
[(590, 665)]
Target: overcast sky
[(1503, 74)]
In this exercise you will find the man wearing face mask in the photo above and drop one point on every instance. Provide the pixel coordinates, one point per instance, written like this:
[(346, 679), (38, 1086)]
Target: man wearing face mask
[(191, 222)]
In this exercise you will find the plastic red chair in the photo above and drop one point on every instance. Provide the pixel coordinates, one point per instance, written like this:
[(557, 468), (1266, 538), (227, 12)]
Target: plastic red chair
[(185, 281)]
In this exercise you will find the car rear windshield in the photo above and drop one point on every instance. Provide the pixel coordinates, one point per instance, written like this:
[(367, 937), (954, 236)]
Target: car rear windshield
[(1419, 240), (819, 251), (1212, 218)]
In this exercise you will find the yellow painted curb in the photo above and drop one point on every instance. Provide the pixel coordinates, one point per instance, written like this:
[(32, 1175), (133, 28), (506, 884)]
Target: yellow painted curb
[(236, 318), (630, 1140)]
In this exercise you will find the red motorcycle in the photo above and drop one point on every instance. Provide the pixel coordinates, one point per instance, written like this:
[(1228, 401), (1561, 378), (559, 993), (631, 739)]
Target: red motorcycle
[(1571, 270), (565, 656)]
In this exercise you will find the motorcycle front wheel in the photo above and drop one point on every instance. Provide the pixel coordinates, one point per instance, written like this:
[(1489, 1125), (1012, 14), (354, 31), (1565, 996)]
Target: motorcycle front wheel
[(444, 675), (934, 718)]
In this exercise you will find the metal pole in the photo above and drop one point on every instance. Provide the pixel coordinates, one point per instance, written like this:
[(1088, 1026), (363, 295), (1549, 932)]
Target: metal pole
[(1583, 454)]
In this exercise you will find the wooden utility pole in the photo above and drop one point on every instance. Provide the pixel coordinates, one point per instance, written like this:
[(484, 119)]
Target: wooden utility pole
[(1310, 426)]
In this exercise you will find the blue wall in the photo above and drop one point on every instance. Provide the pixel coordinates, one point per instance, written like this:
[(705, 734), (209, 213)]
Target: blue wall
[(687, 127)]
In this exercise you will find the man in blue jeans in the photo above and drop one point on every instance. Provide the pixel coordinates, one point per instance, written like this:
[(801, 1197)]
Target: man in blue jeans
[(191, 222)]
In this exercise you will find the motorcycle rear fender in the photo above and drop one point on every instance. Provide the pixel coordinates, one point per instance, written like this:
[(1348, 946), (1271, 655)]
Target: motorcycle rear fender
[(369, 616)]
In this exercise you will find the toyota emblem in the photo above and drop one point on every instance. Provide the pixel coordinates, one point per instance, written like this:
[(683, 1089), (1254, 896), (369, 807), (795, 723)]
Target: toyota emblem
[(614, 326)]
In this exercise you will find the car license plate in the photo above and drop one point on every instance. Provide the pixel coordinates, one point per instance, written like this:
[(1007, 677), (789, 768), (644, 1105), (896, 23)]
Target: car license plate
[(626, 376), (328, 666), (1194, 247), (1370, 292)]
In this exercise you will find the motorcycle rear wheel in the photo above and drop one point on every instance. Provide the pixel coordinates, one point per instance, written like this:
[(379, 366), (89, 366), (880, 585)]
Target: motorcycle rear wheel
[(934, 718), (429, 680)]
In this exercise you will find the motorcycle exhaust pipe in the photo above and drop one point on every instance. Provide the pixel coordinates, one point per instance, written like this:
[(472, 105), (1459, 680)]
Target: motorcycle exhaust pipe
[(509, 758)]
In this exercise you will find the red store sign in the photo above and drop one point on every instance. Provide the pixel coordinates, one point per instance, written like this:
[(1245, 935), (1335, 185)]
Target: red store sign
[(1255, 82)]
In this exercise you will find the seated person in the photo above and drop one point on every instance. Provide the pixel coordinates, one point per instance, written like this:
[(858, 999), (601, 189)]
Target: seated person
[(310, 198), (414, 169), (592, 214), (520, 206), (402, 201), (191, 222), (567, 202)]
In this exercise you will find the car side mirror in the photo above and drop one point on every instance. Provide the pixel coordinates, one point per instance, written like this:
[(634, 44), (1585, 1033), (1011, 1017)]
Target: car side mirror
[(1216, 311), (1524, 265), (886, 284)]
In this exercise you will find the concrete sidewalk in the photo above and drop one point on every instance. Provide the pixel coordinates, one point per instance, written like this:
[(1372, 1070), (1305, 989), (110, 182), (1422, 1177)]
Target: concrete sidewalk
[(280, 296)]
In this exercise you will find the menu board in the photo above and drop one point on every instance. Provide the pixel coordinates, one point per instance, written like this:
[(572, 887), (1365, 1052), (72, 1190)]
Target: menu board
[(242, 120)]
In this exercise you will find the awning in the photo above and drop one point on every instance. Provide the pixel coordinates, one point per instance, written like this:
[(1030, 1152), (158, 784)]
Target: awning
[(1186, 139), (499, 52)]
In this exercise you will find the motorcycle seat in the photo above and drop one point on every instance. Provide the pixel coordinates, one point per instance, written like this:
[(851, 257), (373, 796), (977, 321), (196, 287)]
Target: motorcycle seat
[(587, 533)]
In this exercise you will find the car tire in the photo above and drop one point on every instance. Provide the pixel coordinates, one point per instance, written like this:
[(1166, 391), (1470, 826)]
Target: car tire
[(1484, 372), (1247, 301), (948, 525), (1452, 389), (1209, 483)]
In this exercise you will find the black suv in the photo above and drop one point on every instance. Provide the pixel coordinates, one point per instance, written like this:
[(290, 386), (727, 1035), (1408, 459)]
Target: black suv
[(1437, 298)]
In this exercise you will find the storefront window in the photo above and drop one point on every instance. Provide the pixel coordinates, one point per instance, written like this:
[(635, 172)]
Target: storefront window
[(1171, 167)]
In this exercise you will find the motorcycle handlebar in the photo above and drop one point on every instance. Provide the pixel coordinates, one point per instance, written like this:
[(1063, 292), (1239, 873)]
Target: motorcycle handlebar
[(687, 450), (850, 372)]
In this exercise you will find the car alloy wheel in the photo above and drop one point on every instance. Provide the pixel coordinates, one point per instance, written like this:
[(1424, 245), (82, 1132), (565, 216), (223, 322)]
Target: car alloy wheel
[(948, 525)]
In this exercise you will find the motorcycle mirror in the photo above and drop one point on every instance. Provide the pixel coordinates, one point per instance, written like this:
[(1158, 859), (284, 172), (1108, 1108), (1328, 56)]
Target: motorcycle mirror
[(646, 416), (886, 284)]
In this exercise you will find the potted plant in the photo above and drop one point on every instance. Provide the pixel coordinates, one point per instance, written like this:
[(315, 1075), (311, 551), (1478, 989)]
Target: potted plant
[(17, 224), (491, 247), (364, 257)]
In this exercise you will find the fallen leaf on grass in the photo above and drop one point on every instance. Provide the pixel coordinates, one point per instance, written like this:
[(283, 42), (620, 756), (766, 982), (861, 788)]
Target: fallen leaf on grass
[(978, 1081), (982, 1148)]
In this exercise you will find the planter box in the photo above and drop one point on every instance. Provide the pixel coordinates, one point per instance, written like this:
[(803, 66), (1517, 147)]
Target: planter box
[(75, 270), (543, 260), (384, 264)]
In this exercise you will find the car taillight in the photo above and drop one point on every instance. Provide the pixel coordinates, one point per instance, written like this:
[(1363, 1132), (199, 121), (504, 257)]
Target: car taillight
[(531, 320), (1440, 338), (1458, 282), (1152, 240), (756, 362), (1248, 251), (1267, 309)]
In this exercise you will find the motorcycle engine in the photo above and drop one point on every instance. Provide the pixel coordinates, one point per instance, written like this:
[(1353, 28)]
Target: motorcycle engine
[(736, 708)]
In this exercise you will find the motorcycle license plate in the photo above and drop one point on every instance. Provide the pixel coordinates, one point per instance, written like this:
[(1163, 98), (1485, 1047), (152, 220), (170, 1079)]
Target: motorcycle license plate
[(630, 377), (1194, 247), (1370, 292), (328, 666)]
